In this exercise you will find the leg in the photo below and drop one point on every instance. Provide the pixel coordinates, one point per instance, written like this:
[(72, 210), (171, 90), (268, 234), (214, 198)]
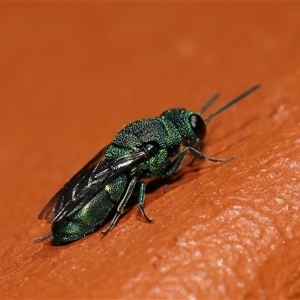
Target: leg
[(122, 205), (174, 166), (141, 201), (42, 238), (201, 156)]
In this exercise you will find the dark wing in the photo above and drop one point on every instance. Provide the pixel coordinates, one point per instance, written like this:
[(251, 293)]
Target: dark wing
[(86, 183)]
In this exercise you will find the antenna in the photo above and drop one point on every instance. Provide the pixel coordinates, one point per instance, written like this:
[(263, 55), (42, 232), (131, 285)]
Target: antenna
[(228, 104), (208, 103)]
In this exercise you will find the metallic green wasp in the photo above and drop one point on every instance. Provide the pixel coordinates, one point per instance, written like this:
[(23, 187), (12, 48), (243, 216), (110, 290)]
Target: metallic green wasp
[(147, 148)]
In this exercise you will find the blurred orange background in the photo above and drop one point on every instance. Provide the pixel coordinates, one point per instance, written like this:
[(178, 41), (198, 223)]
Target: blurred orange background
[(73, 74)]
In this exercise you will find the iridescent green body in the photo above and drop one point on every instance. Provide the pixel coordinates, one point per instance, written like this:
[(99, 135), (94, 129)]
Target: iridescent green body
[(160, 131), (147, 148)]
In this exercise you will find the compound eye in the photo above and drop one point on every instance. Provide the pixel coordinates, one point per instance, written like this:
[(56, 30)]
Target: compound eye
[(198, 126)]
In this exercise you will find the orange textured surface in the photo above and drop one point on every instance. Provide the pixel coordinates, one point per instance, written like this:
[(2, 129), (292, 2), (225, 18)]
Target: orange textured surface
[(73, 74)]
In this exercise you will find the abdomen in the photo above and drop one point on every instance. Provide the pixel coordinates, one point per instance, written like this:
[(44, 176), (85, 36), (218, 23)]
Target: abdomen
[(91, 217)]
